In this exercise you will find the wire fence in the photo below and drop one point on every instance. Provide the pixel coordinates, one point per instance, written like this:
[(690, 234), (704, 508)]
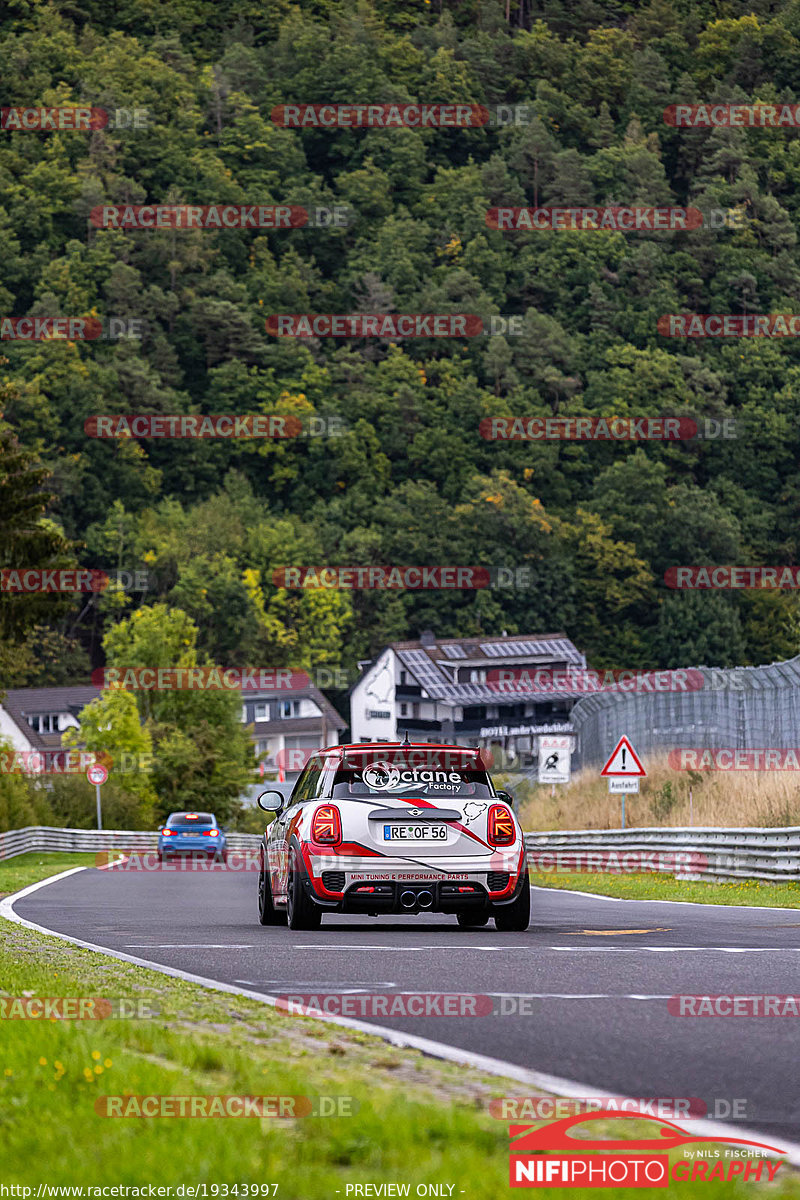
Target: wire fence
[(742, 708)]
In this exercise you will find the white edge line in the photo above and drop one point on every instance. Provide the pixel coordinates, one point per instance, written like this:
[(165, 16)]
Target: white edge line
[(694, 903), (468, 1058)]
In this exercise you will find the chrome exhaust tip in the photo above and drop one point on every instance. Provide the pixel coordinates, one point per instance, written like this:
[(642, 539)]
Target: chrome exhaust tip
[(408, 899), (425, 899)]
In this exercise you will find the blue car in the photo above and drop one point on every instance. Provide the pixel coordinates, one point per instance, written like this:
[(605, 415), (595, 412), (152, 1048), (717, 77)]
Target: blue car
[(192, 833)]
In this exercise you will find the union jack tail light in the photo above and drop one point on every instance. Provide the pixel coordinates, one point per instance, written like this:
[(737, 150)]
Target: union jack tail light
[(501, 826), (326, 825)]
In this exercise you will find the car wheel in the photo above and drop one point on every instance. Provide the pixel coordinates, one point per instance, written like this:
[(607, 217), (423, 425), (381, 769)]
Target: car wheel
[(267, 912), (301, 911), (469, 920), (517, 916)]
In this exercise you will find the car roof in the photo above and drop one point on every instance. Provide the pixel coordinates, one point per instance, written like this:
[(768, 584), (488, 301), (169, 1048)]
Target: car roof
[(348, 751), (473, 750), (192, 812)]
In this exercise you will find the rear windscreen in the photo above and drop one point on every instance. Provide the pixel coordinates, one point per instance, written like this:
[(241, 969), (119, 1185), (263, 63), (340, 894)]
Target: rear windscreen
[(184, 821), (399, 779)]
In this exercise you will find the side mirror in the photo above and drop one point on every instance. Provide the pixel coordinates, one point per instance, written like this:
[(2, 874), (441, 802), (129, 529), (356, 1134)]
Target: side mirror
[(270, 801), (507, 798)]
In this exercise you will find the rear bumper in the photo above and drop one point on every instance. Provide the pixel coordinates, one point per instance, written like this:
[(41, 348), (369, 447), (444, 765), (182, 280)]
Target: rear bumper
[(391, 886), (192, 846)]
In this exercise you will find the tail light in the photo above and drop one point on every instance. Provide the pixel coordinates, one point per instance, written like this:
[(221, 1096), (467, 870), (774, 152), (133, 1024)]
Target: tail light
[(501, 826), (166, 833), (326, 825), (210, 833)]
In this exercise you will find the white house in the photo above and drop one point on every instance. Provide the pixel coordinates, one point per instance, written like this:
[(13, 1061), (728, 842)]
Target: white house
[(437, 691)]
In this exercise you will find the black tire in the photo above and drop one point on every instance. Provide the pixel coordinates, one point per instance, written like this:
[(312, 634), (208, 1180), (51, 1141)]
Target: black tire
[(267, 912), (301, 911), (517, 917), (472, 920)]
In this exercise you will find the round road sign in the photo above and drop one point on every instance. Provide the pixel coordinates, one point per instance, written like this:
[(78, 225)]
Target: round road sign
[(96, 773)]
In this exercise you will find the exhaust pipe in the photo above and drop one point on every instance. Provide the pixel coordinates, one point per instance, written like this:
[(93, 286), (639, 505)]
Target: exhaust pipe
[(408, 899), (425, 899)]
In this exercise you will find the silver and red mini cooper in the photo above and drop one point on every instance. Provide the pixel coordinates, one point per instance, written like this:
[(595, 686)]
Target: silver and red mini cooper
[(393, 828)]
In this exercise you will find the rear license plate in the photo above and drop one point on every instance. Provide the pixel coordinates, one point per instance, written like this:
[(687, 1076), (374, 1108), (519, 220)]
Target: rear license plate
[(415, 833), (190, 833)]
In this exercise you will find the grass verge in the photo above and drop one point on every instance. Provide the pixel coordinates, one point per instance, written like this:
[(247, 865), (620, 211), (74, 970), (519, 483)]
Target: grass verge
[(667, 797), (17, 873), (655, 886), (415, 1120)]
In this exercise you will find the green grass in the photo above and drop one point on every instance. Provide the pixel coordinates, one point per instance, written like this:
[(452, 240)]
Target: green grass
[(17, 873), (654, 886), (418, 1120)]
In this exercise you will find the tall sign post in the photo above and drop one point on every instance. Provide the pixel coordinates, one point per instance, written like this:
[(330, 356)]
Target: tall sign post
[(623, 771), (97, 774)]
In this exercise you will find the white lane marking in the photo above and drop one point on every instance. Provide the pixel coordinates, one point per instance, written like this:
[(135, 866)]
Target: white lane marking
[(581, 995), (676, 949), (291, 985), (190, 945), (561, 949), (535, 887), (554, 1084), (334, 946), (332, 988)]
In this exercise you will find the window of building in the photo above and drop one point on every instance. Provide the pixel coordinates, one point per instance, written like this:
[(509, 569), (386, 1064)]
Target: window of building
[(403, 710), (403, 678), (262, 712), (289, 708), (43, 722)]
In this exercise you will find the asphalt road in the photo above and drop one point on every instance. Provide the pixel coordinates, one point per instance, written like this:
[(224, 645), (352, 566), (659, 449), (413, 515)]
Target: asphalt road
[(597, 975)]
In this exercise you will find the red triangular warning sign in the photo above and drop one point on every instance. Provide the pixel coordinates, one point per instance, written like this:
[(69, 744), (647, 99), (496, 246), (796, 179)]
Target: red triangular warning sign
[(623, 761)]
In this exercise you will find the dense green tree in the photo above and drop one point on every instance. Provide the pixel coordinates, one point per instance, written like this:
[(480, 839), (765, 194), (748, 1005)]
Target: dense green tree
[(407, 474)]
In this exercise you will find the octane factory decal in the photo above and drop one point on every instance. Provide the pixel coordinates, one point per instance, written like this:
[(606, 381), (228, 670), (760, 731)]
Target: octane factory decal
[(384, 777), (629, 1162)]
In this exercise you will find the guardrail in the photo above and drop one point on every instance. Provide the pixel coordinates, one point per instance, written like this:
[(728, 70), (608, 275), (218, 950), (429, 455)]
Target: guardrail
[(45, 838), (691, 853)]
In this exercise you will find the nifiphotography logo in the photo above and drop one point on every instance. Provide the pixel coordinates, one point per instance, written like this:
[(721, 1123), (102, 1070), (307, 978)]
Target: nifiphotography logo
[(630, 1162)]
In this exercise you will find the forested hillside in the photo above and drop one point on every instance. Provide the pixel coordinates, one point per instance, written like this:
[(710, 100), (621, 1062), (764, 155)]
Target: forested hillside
[(407, 478)]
